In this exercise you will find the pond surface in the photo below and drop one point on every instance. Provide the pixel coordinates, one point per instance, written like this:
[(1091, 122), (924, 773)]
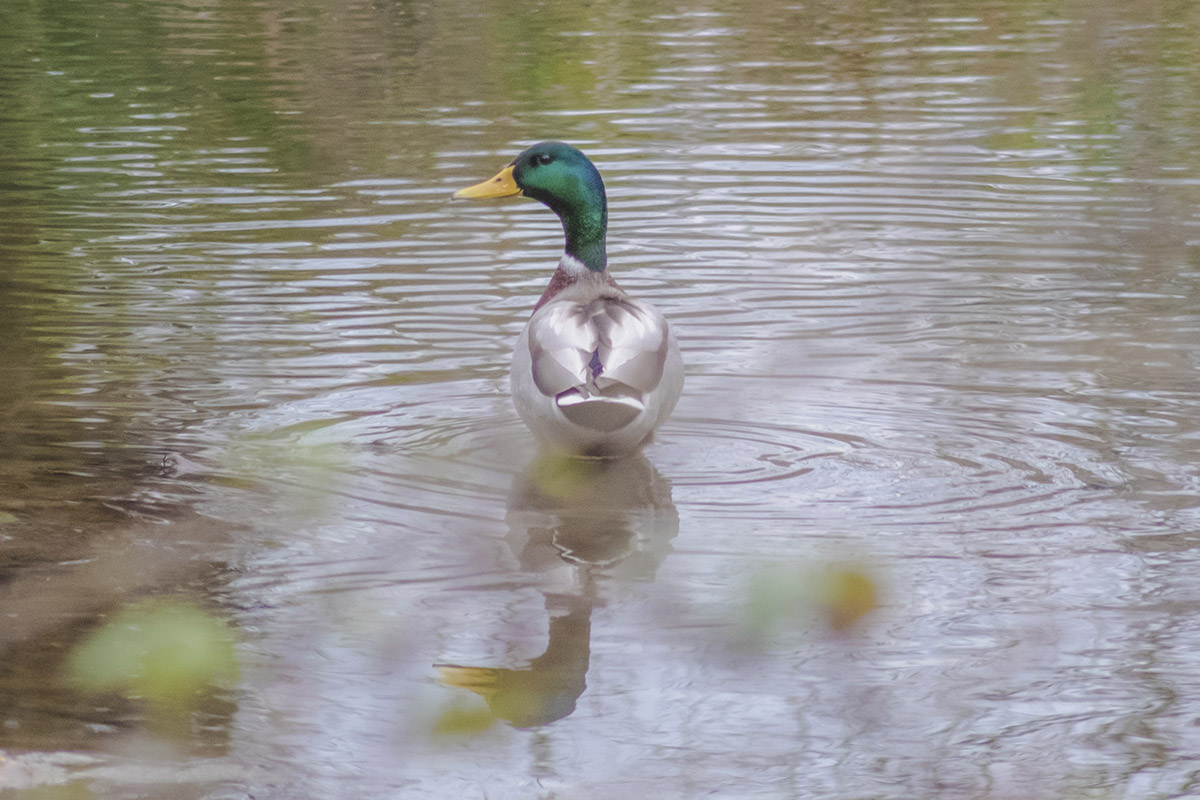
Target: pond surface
[(935, 269)]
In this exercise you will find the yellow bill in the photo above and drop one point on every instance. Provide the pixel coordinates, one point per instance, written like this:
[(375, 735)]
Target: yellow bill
[(500, 185)]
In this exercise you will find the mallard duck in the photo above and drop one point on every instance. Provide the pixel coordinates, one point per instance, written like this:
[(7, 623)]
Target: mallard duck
[(595, 372)]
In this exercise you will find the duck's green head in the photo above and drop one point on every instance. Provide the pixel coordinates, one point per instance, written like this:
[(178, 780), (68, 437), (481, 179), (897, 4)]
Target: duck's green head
[(564, 179)]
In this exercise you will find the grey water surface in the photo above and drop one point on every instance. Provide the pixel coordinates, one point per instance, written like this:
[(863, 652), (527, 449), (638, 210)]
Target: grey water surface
[(935, 268)]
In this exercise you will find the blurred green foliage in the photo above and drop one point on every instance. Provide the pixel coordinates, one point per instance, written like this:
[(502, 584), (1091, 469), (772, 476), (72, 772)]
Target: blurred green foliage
[(786, 597), (165, 651)]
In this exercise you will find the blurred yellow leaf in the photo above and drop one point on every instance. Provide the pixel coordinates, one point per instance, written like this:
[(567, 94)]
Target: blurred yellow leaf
[(849, 595)]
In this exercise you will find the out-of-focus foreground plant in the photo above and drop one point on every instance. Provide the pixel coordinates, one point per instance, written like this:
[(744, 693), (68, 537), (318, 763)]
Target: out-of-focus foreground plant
[(163, 651)]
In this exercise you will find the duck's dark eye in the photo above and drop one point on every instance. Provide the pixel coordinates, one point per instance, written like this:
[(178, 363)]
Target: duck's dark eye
[(543, 159)]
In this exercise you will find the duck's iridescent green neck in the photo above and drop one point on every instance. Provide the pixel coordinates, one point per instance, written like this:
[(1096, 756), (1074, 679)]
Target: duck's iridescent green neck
[(585, 232)]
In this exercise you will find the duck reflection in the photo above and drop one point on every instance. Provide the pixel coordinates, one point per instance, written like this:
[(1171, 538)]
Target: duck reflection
[(586, 521), (547, 689)]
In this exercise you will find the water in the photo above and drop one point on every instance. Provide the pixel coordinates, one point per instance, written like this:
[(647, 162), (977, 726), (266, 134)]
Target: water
[(935, 272)]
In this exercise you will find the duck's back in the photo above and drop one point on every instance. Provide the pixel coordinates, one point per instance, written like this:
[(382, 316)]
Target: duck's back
[(596, 372)]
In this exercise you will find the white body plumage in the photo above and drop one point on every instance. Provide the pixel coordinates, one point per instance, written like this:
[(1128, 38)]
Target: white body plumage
[(595, 372)]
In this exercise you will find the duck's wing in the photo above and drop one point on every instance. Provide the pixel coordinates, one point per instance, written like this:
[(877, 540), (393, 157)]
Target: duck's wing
[(599, 358)]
